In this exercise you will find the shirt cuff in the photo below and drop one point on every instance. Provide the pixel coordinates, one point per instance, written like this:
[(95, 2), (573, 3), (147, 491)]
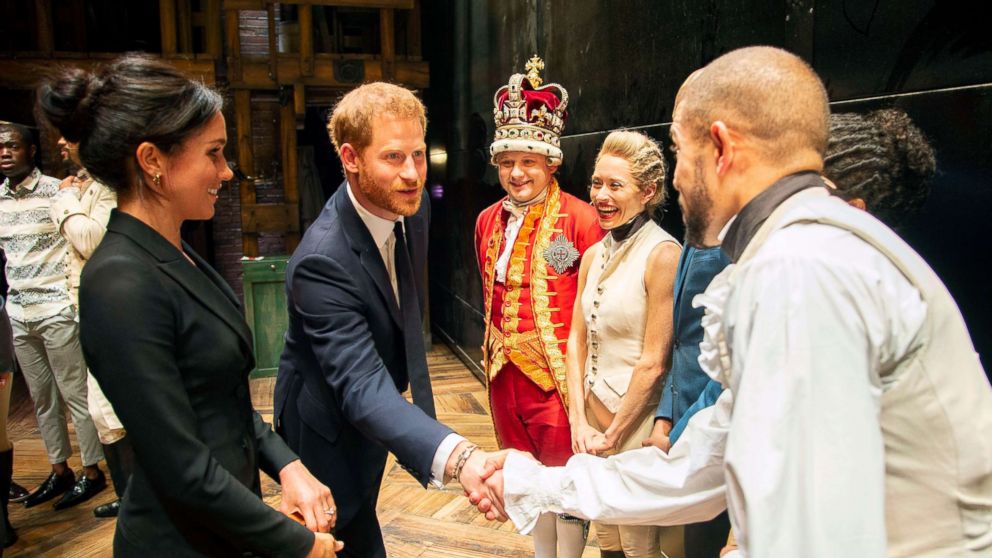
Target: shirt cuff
[(441, 457), (530, 489)]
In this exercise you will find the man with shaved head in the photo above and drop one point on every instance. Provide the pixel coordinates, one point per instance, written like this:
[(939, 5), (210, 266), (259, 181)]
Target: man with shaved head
[(857, 419)]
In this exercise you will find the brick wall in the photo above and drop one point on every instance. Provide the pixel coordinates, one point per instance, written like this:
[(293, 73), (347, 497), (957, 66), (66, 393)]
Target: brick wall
[(254, 33)]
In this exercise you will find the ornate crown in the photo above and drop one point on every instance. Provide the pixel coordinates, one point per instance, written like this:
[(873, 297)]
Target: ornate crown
[(529, 117)]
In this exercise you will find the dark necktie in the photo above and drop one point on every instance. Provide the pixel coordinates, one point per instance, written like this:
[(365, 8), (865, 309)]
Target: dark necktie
[(413, 339)]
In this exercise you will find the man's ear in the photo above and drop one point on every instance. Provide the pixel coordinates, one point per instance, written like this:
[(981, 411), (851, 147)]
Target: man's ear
[(34, 151), (349, 158), (726, 149)]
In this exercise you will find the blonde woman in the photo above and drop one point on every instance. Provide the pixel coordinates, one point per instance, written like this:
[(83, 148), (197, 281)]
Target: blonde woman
[(618, 352)]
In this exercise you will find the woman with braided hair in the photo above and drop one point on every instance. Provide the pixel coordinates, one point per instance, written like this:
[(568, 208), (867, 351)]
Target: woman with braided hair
[(880, 162)]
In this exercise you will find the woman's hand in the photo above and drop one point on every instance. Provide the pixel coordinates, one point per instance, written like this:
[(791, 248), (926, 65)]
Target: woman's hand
[(586, 439), (324, 546), (302, 492), (659, 436)]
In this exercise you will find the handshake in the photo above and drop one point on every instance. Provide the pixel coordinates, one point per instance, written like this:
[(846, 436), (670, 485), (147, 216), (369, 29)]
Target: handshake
[(481, 475)]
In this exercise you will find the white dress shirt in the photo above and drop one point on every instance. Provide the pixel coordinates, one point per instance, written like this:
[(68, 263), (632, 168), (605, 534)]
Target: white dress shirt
[(794, 444), (384, 238)]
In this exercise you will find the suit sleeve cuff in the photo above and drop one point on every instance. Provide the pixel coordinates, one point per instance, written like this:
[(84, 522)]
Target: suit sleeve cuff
[(665, 406), (441, 456)]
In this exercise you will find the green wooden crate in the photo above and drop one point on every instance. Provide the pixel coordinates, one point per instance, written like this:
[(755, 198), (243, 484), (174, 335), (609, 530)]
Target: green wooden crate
[(264, 283)]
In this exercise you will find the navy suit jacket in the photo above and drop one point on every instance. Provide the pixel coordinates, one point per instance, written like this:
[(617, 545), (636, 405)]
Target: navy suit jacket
[(344, 366), (686, 380)]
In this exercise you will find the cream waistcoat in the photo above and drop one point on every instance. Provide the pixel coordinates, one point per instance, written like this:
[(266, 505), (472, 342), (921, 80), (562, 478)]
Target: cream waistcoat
[(614, 305)]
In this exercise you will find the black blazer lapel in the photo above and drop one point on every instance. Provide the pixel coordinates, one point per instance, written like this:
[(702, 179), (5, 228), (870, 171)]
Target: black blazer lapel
[(362, 243), (201, 282)]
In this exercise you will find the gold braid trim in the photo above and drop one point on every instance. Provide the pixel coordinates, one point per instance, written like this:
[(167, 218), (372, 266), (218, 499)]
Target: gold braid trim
[(492, 254), (515, 269), (539, 292)]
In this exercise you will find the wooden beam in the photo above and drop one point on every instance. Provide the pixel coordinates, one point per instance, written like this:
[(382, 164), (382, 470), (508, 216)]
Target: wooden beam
[(299, 104), (287, 141), (77, 33), (233, 35), (244, 5), (212, 30), (255, 73), (270, 218), (391, 4), (24, 73), (46, 37), (167, 23), (260, 4), (273, 49), (306, 39), (184, 25), (387, 42), (414, 43), (246, 164)]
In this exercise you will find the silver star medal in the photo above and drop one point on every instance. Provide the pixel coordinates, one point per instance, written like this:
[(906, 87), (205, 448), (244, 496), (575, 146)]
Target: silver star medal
[(561, 254)]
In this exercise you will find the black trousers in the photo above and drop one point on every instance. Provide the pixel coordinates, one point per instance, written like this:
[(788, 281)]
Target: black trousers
[(706, 539)]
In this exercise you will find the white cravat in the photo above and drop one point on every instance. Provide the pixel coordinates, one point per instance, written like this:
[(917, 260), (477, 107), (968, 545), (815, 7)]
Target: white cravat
[(513, 224)]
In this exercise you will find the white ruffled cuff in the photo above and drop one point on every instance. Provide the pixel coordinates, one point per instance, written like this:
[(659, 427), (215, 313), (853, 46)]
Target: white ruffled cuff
[(529, 489)]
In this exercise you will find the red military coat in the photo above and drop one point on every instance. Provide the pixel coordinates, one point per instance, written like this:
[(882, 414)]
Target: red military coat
[(529, 315)]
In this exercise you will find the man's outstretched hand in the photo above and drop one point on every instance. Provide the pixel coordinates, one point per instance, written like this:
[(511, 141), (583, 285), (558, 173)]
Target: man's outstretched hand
[(489, 500)]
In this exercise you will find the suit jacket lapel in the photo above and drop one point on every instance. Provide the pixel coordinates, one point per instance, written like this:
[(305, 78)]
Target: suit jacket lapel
[(201, 282), (680, 274), (368, 253), (416, 234)]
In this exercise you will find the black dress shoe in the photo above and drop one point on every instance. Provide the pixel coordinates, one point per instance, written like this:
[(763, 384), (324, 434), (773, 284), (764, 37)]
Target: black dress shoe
[(84, 489), (52, 487), (17, 493), (108, 510)]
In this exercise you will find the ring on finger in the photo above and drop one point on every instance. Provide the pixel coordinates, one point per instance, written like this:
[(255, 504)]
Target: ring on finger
[(330, 511)]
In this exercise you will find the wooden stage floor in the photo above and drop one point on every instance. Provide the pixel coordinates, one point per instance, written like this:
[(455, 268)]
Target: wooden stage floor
[(415, 522)]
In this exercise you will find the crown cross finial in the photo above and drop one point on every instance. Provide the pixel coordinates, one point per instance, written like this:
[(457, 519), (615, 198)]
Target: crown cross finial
[(534, 67)]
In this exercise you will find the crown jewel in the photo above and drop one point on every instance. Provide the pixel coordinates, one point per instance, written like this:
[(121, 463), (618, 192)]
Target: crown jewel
[(529, 117)]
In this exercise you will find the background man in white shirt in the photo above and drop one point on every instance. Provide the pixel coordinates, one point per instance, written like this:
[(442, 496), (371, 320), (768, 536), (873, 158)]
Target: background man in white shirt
[(857, 419)]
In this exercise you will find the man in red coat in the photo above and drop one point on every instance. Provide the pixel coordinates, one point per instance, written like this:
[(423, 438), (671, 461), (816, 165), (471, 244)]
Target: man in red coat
[(529, 245)]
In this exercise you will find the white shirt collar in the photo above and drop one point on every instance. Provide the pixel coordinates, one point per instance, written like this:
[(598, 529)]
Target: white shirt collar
[(379, 228), (723, 231)]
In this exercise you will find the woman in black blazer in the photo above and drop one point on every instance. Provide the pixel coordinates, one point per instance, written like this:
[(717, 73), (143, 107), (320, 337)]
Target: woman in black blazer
[(162, 332)]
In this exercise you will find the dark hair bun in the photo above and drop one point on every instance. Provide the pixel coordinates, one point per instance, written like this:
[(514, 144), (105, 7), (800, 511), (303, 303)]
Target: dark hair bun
[(66, 102), (118, 106)]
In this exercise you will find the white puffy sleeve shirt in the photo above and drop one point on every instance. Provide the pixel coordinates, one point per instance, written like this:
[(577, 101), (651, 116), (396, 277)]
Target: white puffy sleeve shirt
[(810, 322)]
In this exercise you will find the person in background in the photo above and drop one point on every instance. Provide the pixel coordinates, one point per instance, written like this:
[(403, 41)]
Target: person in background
[(162, 331), (43, 318), (80, 210), (618, 350), (7, 366), (528, 246), (880, 162)]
